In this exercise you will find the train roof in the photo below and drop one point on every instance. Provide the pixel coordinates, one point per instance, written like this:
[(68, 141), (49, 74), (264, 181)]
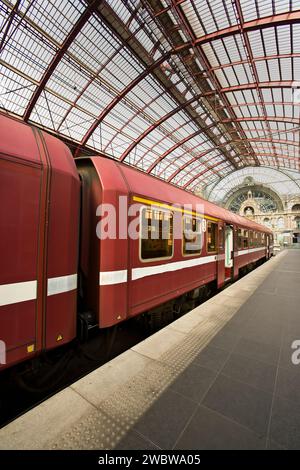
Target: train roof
[(140, 183), (21, 140)]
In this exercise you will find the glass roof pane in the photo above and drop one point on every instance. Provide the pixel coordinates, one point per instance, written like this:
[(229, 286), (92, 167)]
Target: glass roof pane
[(55, 17), (27, 53), (15, 91)]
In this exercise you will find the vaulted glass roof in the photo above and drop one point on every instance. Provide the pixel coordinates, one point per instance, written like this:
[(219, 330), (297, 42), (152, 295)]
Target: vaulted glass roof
[(283, 182), (189, 90)]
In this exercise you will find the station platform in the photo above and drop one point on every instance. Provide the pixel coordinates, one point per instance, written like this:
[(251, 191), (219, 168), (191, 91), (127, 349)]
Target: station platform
[(220, 377)]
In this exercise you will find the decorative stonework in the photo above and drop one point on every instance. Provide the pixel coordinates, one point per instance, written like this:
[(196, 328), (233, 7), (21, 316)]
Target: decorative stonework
[(284, 220)]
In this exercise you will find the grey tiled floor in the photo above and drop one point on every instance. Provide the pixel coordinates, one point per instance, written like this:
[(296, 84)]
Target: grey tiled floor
[(242, 391)]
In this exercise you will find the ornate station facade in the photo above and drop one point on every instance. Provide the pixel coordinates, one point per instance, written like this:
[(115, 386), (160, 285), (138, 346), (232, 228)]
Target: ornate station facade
[(263, 205)]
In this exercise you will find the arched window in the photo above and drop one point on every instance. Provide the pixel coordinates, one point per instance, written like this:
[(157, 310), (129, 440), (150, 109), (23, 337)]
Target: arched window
[(297, 222), (248, 211), (267, 222), (280, 222), (296, 208)]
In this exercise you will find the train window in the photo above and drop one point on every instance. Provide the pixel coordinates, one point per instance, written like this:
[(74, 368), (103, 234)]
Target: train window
[(243, 238), (255, 239), (221, 238), (156, 234), (250, 238), (191, 236), (259, 239), (240, 238), (212, 235)]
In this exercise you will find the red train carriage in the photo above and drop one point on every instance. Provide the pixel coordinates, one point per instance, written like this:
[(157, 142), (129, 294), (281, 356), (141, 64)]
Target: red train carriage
[(39, 220), (123, 277), (41, 229)]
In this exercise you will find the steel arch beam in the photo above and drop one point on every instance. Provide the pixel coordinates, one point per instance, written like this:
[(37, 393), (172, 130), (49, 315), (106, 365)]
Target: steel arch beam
[(276, 141), (217, 178), (170, 135), (258, 24), (206, 170), (175, 173), (178, 144), (293, 130), (92, 80), (198, 175), (112, 20), (142, 110), (276, 156), (58, 56), (242, 28), (262, 167), (157, 124), (251, 86), (258, 155), (248, 49), (211, 168), (174, 147), (192, 160), (286, 142), (187, 152), (9, 22), (126, 90), (213, 78), (270, 103), (264, 118), (255, 59)]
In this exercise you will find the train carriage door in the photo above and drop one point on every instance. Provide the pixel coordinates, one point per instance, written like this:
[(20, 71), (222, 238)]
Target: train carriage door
[(220, 256), (228, 252)]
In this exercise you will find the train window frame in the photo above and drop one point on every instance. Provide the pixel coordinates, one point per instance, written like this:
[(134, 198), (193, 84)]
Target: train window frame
[(259, 238), (182, 238), (251, 239), (159, 258), (243, 239), (221, 238), (217, 238), (255, 239), (240, 238)]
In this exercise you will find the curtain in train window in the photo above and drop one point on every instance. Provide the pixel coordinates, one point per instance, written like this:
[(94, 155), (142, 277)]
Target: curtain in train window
[(191, 236), (240, 239), (156, 239), (245, 239), (212, 236), (251, 240)]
